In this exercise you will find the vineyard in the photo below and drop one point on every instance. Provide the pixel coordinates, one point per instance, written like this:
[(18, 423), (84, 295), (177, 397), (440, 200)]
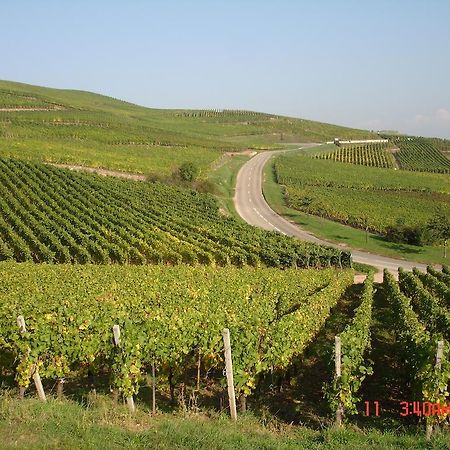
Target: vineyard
[(172, 317), (236, 114), (57, 216), (361, 196), (355, 342), (419, 306), (423, 345), (101, 139), (421, 154), (9, 100), (106, 284), (75, 127), (372, 155), (442, 145), (408, 153)]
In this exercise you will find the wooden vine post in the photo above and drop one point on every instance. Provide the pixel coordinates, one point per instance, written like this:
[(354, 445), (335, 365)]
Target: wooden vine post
[(438, 365), (60, 388), (116, 333), (36, 377), (337, 360), (229, 373), (153, 387)]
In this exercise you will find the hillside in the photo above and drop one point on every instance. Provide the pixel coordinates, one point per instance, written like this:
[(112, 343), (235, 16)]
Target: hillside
[(85, 128), (57, 216)]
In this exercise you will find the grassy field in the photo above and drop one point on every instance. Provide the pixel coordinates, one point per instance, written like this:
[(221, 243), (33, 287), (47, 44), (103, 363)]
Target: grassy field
[(352, 237), (85, 128)]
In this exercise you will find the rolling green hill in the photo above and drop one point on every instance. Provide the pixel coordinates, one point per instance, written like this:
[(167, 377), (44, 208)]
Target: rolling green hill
[(80, 127), (57, 216)]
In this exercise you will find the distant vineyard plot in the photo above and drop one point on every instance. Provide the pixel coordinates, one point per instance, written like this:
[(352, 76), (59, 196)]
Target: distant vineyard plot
[(399, 152), (421, 154), (370, 154), (58, 216), (362, 196)]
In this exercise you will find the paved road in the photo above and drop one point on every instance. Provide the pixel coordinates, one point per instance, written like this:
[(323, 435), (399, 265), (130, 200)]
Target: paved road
[(251, 205)]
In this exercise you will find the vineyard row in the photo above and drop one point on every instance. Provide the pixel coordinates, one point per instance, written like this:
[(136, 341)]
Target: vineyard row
[(52, 215)]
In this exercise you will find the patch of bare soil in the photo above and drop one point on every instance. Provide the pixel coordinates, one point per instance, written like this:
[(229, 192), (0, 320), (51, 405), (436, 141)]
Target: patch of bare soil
[(103, 172), (243, 153), (55, 108), (394, 151)]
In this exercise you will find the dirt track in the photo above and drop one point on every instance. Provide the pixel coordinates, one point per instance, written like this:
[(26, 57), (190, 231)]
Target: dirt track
[(56, 108), (104, 172)]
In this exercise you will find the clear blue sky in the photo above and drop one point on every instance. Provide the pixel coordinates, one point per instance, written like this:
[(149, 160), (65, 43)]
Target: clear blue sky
[(372, 64)]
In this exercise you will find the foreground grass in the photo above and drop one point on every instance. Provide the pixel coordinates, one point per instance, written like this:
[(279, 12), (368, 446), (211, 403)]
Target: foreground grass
[(343, 234), (101, 424)]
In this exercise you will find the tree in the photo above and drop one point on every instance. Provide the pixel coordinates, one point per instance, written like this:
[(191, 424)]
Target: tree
[(408, 234), (188, 171), (439, 228)]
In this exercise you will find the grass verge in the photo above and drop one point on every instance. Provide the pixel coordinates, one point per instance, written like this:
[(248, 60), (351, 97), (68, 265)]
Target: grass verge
[(101, 424), (224, 181)]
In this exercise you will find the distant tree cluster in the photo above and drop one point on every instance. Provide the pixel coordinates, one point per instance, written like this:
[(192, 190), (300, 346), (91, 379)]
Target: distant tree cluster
[(435, 232)]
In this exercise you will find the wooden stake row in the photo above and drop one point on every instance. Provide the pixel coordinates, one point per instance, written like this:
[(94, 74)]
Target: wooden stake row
[(35, 374), (130, 401), (116, 333)]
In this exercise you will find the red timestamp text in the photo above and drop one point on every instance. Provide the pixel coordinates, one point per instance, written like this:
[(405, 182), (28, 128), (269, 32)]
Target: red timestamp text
[(425, 409), (372, 408)]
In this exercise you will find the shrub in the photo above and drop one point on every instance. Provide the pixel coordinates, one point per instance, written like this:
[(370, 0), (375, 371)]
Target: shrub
[(188, 171)]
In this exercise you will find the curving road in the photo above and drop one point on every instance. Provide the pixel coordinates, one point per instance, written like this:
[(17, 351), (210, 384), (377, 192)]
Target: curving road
[(251, 205)]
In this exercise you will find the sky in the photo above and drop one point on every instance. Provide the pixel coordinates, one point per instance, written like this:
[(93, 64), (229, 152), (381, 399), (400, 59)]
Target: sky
[(379, 64)]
